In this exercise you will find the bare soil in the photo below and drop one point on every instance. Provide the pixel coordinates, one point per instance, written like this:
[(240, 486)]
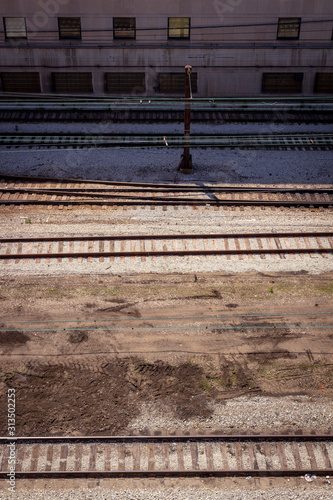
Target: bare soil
[(84, 353)]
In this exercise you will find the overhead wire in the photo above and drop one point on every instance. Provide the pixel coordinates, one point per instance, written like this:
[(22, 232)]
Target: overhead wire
[(211, 327), (194, 27), (31, 35), (168, 318), (79, 99)]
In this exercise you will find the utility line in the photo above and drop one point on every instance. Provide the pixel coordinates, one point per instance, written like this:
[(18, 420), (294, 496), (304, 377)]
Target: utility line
[(191, 27), (167, 318), (212, 327), (76, 99)]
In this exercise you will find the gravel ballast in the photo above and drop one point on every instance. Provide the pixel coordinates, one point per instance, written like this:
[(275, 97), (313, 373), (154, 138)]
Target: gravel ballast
[(252, 413), (311, 492), (159, 221), (153, 164), (160, 165), (246, 413), (171, 264)]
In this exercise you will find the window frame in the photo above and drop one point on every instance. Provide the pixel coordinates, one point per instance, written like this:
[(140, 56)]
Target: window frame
[(122, 85), (64, 37), (115, 37), (317, 82), (177, 75), (66, 75), (15, 37), (299, 20), (180, 37), (296, 76), (23, 74)]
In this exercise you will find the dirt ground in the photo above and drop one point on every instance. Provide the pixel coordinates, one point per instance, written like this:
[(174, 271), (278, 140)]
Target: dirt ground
[(84, 353)]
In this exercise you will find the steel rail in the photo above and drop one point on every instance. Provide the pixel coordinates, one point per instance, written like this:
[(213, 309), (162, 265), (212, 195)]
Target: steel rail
[(116, 135), (137, 184), (16, 97), (114, 192), (159, 189), (98, 197), (162, 115), (210, 106), (174, 437), (167, 201), (161, 253), (167, 236), (149, 253), (311, 204), (322, 140), (209, 472), (21, 98), (170, 473)]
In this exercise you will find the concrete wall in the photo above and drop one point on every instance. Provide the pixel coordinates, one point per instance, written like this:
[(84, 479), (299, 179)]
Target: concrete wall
[(228, 61)]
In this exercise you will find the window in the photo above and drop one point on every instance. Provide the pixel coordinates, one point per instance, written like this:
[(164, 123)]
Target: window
[(124, 27), (15, 27), (72, 83), (324, 83), (289, 28), (179, 27), (69, 28), (20, 82), (282, 82), (125, 82), (175, 83)]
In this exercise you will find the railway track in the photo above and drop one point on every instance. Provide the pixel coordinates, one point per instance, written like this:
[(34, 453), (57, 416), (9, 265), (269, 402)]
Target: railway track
[(131, 246), (157, 115), (175, 455), (68, 193), (303, 141), (62, 108)]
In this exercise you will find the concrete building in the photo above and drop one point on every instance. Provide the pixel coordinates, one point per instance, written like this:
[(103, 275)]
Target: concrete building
[(140, 47)]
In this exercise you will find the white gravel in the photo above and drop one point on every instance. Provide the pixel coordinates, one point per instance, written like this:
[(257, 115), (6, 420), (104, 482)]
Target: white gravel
[(152, 164), (105, 127), (250, 413), (251, 492), (160, 165), (133, 265), (171, 221)]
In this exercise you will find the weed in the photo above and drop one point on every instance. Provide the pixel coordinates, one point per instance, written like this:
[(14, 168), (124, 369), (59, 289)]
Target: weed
[(251, 382), (262, 371), (326, 288), (205, 384), (233, 380), (308, 367), (55, 292), (218, 380), (268, 372), (112, 291), (271, 290), (27, 220)]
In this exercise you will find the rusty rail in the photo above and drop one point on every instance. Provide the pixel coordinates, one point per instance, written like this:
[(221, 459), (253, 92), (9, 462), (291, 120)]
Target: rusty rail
[(310, 440), (275, 247)]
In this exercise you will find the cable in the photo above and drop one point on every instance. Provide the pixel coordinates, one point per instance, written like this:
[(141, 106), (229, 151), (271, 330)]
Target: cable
[(174, 317), (213, 26), (212, 327), (200, 353), (216, 44), (142, 99)]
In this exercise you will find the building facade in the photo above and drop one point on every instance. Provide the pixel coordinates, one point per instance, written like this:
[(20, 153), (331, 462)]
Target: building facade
[(140, 47)]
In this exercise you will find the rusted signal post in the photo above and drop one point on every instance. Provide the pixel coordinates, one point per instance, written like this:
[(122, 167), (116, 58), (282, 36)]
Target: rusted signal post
[(185, 165)]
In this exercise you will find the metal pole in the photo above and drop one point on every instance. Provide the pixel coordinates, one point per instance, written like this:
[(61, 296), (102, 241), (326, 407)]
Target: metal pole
[(185, 165)]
